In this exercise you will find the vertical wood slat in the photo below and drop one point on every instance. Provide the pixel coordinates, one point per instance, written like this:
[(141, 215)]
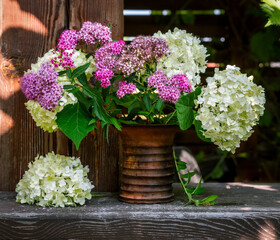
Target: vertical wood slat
[(28, 29), (101, 157)]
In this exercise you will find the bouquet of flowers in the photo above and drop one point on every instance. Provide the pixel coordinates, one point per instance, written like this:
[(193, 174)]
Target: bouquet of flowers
[(152, 80)]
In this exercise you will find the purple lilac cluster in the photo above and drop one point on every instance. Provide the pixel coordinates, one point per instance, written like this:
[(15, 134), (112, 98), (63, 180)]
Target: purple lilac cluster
[(107, 56), (42, 87), (169, 90), (143, 49), (104, 75), (67, 41), (106, 59), (92, 33), (125, 88)]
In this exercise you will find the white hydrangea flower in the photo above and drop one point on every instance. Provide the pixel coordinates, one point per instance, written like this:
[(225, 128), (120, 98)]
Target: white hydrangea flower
[(230, 106), (47, 119), (187, 55), (54, 180)]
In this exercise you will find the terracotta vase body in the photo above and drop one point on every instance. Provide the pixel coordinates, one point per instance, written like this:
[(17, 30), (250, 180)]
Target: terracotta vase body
[(147, 165)]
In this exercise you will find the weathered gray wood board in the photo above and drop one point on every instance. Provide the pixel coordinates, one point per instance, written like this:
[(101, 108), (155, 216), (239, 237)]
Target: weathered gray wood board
[(245, 211)]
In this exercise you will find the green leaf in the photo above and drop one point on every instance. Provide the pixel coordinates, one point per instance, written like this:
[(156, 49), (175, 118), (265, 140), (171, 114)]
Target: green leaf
[(194, 191), (69, 87), (185, 116), (101, 113), (272, 10), (206, 201), (116, 124), (184, 108), (92, 93), (80, 70), (69, 73), (82, 79), (181, 165), (159, 105), (82, 99), (96, 195), (61, 73), (127, 121), (189, 175), (147, 101), (199, 131), (73, 121), (92, 121)]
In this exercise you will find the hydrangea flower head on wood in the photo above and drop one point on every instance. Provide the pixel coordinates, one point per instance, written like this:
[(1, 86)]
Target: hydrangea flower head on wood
[(54, 180)]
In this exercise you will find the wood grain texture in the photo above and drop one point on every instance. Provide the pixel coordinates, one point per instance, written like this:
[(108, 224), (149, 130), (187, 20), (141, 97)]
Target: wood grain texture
[(245, 211), (28, 29), (101, 156)]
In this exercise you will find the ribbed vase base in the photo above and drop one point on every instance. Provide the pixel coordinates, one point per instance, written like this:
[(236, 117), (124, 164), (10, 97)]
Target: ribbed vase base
[(148, 164)]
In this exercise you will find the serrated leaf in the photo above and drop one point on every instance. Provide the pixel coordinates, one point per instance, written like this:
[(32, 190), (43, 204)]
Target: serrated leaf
[(80, 70), (73, 121)]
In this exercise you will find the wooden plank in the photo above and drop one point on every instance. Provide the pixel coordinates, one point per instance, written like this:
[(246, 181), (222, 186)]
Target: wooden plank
[(94, 151), (245, 211), (178, 4), (28, 29)]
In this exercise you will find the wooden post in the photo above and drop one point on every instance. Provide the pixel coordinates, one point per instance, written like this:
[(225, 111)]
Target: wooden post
[(101, 156), (28, 29)]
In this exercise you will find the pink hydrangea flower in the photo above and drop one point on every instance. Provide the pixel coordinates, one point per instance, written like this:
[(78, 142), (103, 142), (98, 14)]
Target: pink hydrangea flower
[(125, 88), (42, 87)]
